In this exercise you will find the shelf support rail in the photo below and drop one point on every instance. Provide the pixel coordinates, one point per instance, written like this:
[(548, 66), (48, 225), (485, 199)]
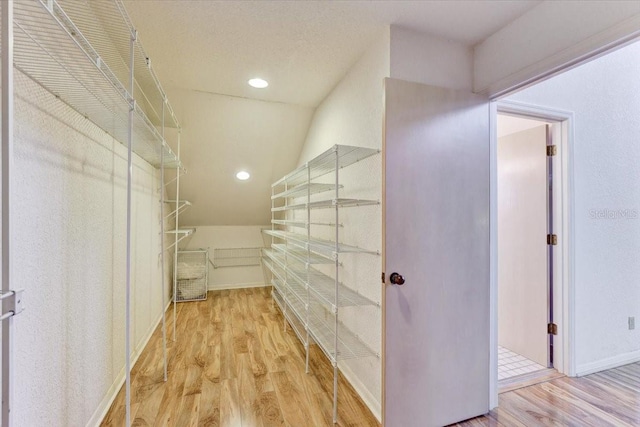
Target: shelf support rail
[(132, 108), (7, 169), (175, 246), (337, 285), (162, 254)]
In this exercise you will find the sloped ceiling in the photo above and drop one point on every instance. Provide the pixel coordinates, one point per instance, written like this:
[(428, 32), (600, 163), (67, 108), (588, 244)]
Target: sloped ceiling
[(205, 51)]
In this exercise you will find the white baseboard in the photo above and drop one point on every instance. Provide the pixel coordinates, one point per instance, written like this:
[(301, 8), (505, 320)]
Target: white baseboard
[(372, 402), (238, 286), (111, 394), (608, 363)]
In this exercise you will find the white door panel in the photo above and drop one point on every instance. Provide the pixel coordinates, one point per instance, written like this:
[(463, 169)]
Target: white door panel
[(436, 206)]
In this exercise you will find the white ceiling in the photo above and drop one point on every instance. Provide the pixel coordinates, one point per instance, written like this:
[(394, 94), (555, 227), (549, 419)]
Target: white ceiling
[(205, 51)]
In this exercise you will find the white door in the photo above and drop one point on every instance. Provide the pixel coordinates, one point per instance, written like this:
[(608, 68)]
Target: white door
[(436, 207)]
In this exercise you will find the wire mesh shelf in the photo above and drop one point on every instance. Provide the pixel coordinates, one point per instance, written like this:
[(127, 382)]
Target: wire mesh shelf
[(236, 257), (321, 247), (292, 318), (52, 50), (304, 189), (321, 326), (301, 255), (192, 275), (326, 162), (323, 204), (322, 287)]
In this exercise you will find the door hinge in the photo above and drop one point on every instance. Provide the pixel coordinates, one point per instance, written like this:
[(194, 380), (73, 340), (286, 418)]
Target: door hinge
[(552, 239), (552, 329), (382, 277), (551, 150)]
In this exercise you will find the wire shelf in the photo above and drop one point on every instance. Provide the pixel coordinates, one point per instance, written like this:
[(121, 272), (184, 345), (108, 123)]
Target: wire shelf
[(293, 319), (301, 255), (322, 287), (321, 327), (236, 257), (323, 204), (326, 162), (51, 50), (304, 189), (300, 224), (321, 247)]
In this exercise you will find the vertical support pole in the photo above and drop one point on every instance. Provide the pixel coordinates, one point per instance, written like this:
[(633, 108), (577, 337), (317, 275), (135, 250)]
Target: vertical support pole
[(306, 365), (285, 297), (162, 249), (175, 244), (132, 104), (273, 227), (337, 250), (7, 168)]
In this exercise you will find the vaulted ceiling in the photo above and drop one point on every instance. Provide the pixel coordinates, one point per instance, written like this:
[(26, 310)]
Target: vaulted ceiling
[(205, 51)]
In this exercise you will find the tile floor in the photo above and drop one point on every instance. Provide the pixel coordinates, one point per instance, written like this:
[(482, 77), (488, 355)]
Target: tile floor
[(511, 364)]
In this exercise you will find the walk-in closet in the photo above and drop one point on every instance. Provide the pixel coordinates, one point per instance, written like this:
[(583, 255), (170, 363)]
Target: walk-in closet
[(268, 213)]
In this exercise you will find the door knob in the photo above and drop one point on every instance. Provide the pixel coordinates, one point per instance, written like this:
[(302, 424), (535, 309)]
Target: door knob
[(396, 279)]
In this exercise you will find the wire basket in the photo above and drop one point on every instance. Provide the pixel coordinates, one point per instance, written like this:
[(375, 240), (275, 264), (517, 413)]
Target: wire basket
[(192, 275)]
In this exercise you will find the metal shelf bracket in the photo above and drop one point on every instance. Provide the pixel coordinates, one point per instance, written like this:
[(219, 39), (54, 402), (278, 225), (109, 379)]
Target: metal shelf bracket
[(14, 303)]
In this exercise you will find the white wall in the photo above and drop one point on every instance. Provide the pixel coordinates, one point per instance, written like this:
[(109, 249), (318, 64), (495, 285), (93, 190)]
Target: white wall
[(604, 95), (522, 250), (69, 255), (421, 58), (551, 35), (229, 237)]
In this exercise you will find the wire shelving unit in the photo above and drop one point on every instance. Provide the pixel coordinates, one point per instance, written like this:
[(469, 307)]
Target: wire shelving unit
[(89, 55), (309, 299)]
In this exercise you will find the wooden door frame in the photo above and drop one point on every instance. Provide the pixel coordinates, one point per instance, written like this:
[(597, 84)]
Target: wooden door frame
[(564, 291)]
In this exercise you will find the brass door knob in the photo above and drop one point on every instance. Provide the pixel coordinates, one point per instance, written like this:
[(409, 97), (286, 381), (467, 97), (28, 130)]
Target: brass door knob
[(396, 279)]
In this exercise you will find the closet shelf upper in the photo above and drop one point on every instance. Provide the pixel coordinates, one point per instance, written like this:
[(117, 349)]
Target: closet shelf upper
[(80, 53), (325, 163)]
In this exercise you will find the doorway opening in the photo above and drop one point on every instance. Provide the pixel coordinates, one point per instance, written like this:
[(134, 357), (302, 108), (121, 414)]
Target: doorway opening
[(529, 222)]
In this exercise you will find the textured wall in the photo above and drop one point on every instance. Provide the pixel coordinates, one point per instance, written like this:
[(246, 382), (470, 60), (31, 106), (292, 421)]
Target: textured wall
[(229, 237), (352, 115), (604, 96), (69, 255)]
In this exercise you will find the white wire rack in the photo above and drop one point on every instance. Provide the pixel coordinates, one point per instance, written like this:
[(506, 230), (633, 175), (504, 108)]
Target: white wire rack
[(89, 55), (192, 275), (310, 299), (236, 257), (75, 65)]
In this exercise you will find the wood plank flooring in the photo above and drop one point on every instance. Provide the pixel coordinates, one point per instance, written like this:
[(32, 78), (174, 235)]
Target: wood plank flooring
[(609, 398), (233, 366)]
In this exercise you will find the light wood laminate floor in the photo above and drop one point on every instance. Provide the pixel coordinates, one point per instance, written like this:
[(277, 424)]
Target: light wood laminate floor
[(609, 398), (233, 366)]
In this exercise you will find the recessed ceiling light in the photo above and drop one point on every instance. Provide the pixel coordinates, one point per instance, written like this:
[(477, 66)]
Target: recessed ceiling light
[(243, 175), (258, 83)]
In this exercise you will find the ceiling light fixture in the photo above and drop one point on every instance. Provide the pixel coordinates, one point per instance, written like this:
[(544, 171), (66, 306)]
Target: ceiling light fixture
[(258, 83), (243, 175)]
